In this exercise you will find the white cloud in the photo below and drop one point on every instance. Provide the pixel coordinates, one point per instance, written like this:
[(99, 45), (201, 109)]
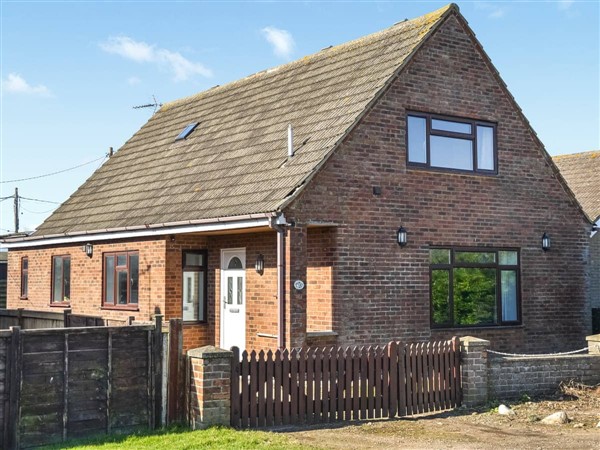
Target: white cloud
[(141, 52), (132, 81), (16, 84), (563, 5), (494, 11), (281, 40)]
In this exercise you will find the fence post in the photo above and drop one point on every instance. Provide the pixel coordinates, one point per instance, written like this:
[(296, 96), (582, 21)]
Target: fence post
[(474, 370), (14, 394), (210, 387), (176, 371), (67, 317), (20, 318), (157, 369)]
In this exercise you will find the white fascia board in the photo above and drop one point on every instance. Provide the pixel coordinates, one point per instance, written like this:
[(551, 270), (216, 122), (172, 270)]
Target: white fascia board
[(219, 226)]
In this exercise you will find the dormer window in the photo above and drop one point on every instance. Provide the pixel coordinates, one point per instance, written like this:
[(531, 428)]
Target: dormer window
[(448, 143)]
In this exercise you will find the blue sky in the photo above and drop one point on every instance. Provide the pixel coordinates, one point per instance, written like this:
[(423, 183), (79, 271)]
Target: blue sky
[(72, 71)]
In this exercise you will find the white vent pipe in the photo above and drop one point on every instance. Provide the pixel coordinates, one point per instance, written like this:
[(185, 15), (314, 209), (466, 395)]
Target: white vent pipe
[(290, 141)]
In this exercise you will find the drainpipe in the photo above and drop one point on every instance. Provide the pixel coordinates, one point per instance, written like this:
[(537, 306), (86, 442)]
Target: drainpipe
[(278, 224)]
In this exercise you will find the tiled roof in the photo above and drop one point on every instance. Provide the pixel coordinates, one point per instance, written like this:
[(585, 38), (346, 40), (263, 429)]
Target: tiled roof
[(235, 162), (581, 171)]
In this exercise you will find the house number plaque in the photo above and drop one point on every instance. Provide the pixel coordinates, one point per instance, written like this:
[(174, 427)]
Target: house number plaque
[(299, 285)]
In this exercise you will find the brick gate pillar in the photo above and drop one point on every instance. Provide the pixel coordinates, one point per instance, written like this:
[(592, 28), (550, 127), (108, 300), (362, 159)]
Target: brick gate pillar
[(295, 260), (474, 369), (210, 387)]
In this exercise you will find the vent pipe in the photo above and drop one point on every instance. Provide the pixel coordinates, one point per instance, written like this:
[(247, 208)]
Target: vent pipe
[(110, 152), (290, 141)]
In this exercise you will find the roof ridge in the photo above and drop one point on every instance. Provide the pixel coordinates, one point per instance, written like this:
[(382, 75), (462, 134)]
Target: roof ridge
[(416, 21), (576, 154)]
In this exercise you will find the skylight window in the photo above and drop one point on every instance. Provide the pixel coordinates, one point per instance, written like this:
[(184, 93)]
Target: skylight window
[(186, 131)]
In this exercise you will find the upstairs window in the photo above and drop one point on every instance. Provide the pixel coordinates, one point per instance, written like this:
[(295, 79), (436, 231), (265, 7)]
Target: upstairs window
[(474, 287), (61, 280), (451, 144), (24, 276), (121, 279)]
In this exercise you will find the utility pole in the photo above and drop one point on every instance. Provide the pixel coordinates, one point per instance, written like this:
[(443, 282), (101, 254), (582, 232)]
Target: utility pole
[(16, 210)]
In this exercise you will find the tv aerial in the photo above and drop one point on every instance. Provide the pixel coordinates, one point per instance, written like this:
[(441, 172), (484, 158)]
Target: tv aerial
[(154, 105)]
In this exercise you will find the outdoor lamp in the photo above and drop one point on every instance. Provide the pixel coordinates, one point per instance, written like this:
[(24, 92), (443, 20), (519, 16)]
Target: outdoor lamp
[(545, 242), (88, 249), (259, 265), (401, 236)]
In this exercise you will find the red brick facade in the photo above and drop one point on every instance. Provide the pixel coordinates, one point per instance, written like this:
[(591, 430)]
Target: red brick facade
[(359, 282), (381, 291)]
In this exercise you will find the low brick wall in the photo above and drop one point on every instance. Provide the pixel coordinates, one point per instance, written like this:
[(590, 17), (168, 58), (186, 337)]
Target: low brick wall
[(511, 377), (486, 375)]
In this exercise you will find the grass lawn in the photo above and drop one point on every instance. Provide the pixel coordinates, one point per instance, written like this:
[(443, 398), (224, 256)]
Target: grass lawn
[(177, 438)]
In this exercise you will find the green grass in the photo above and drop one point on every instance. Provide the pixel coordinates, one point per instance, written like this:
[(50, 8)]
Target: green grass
[(179, 438)]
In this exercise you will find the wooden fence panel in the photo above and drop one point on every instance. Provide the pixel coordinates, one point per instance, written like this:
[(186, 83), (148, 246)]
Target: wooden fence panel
[(65, 383), (326, 384)]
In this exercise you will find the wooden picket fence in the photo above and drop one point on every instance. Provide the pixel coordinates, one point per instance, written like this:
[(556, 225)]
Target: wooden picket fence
[(353, 383)]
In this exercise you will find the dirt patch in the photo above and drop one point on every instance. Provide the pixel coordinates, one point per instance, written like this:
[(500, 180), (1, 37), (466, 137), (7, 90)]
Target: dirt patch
[(483, 428)]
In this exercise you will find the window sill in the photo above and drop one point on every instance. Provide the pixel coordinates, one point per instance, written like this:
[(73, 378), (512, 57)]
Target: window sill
[(23, 298), (119, 308), (59, 305), (195, 322), (480, 327), (412, 166)]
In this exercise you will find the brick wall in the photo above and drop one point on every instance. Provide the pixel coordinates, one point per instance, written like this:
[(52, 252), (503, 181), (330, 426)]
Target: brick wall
[(210, 394), (319, 279), (86, 278), (381, 291), (511, 377)]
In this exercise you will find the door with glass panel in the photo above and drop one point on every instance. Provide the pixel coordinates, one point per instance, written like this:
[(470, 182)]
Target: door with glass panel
[(233, 298)]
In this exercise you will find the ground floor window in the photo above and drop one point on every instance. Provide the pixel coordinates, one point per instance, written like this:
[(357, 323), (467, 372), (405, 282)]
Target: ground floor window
[(474, 287), (194, 285), (121, 279), (61, 279)]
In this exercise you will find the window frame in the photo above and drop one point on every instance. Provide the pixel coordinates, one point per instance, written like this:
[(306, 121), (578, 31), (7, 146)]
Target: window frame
[(54, 302), (114, 305), (451, 134), (497, 266), (204, 269), (24, 276)]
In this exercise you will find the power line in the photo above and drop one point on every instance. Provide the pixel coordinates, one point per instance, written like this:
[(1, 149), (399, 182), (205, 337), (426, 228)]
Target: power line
[(53, 173), (38, 200), (37, 212)]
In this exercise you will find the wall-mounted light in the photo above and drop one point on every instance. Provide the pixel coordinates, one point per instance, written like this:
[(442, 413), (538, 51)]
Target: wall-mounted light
[(259, 265), (172, 238), (401, 237), (545, 242), (88, 249)]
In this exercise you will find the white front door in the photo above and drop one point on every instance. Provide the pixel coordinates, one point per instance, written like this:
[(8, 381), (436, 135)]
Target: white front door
[(233, 298)]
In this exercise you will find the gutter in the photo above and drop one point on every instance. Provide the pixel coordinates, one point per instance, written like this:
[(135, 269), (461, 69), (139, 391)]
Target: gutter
[(204, 225)]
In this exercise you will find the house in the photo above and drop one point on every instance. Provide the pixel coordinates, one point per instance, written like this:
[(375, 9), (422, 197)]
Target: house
[(582, 173), (386, 188)]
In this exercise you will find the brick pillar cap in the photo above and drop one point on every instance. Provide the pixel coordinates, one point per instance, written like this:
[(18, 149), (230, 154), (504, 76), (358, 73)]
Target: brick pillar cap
[(209, 352), (470, 341), (593, 338)]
